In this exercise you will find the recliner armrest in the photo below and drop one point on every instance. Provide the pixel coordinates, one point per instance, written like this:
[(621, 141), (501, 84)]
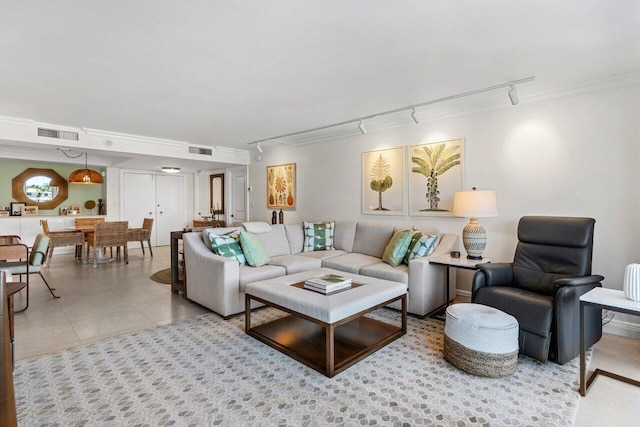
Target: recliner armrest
[(577, 281), (491, 274)]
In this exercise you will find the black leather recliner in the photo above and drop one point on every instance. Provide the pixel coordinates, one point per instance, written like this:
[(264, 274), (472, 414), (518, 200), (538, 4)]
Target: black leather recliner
[(541, 288)]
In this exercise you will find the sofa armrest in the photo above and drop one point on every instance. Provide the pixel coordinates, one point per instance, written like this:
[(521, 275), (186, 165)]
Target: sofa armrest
[(578, 281), (426, 281), (212, 280)]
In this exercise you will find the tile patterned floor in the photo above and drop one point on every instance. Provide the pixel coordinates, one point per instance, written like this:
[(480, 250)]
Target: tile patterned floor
[(117, 298)]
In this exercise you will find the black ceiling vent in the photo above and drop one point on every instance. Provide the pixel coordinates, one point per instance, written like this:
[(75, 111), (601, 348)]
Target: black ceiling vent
[(198, 150), (59, 134)]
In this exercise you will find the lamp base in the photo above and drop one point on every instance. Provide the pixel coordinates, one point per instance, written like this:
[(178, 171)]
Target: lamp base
[(474, 239)]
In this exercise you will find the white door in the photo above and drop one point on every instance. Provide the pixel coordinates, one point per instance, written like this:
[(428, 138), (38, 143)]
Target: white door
[(170, 207), (139, 199), (239, 196), (161, 197)]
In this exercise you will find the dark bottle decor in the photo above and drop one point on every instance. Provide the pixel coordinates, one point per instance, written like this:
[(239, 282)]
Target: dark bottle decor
[(100, 207), (281, 217), (274, 217)]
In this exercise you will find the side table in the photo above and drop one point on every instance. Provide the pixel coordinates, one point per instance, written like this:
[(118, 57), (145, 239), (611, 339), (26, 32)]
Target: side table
[(449, 262), (606, 299)]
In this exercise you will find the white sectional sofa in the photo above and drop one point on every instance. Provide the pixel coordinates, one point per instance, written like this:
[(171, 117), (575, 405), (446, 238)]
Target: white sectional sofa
[(219, 283)]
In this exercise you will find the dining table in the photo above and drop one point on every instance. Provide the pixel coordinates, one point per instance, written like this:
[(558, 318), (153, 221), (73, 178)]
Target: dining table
[(88, 230)]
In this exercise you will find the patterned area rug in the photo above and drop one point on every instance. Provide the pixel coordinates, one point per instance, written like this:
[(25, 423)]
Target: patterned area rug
[(206, 371)]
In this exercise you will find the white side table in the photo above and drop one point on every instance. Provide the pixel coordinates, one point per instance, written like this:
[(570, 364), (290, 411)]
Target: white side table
[(449, 262), (606, 299)]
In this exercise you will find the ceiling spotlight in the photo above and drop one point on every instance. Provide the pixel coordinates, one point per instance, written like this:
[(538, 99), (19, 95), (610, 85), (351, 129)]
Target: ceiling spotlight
[(513, 95), (361, 127), (413, 115), (170, 169), (259, 147)]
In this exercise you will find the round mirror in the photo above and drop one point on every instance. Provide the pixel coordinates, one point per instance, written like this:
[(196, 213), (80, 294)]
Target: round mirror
[(40, 187)]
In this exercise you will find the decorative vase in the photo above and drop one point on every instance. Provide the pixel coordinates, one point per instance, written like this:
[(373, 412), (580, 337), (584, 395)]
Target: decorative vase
[(631, 285), (281, 217), (274, 217)]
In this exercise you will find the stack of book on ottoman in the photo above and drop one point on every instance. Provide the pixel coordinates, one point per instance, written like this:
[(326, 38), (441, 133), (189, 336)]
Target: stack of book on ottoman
[(327, 284)]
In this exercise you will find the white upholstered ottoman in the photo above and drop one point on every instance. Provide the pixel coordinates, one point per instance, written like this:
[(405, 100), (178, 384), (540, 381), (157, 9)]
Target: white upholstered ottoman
[(481, 340)]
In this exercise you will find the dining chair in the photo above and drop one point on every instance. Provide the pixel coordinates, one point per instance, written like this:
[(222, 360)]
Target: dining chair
[(108, 234), (58, 239), (142, 234), (27, 261)]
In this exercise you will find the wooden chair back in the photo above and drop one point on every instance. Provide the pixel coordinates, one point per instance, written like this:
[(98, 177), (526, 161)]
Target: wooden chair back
[(111, 233)]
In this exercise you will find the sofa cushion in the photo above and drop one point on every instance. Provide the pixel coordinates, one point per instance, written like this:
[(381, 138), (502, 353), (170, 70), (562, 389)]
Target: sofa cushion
[(397, 248), (250, 274), (227, 246), (256, 227), (371, 239), (344, 235), (322, 255), (296, 263), (384, 271), (253, 249), (420, 245), (295, 236), (350, 263), (318, 236), (275, 241)]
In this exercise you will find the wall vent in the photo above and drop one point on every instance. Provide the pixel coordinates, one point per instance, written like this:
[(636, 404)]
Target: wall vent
[(59, 134), (198, 150)]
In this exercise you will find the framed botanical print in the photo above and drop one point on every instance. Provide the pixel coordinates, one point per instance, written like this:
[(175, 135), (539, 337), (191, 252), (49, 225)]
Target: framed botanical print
[(435, 174), (281, 186), (383, 181)]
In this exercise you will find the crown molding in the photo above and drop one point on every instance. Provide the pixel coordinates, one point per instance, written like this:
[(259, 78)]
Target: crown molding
[(138, 138), (15, 121)]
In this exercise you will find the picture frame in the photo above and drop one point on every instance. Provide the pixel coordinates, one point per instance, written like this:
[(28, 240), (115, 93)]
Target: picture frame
[(436, 172), (77, 209), (4, 213), (383, 177), (29, 211), (281, 186), (16, 208), (64, 210)]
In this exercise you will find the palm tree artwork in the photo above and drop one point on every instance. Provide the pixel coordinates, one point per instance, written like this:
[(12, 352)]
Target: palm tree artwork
[(381, 180), (433, 161)]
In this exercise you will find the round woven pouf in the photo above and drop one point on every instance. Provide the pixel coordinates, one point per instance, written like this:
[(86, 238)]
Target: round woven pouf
[(481, 340)]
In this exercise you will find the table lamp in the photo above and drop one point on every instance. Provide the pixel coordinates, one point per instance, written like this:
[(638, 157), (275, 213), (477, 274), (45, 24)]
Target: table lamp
[(474, 204)]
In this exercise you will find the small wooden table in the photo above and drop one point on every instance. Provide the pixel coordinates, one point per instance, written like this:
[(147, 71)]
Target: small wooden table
[(447, 261), (606, 299), (328, 333), (177, 284)]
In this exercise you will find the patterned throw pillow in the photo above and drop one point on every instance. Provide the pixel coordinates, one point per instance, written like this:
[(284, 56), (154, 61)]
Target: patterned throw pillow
[(253, 249), (227, 245), (397, 248), (318, 236), (421, 245)]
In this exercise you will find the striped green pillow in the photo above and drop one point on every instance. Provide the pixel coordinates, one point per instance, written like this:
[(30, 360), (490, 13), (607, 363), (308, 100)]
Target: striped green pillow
[(421, 245)]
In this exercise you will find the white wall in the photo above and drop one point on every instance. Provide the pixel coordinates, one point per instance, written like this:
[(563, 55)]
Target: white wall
[(573, 156)]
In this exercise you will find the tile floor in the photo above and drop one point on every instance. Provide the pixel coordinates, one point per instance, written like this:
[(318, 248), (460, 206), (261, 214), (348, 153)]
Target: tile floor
[(116, 298)]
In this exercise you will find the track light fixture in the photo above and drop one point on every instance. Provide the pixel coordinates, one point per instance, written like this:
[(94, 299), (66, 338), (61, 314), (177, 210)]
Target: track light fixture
[(259, 147), (513, 95), (361, 127), (413, 115)]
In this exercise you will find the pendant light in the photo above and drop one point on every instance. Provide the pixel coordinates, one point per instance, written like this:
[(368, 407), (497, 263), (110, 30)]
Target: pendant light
[(85, 176)]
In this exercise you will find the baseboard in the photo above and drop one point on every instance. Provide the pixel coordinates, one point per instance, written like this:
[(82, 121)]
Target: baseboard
[(622, 328), (463, 296)]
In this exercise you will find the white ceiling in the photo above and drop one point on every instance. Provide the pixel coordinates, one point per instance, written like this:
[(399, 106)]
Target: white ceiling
[(225, 73)]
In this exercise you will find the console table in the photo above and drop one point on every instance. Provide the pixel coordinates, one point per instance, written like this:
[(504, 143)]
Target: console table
[(177, 284), (448, 262), (606, 299)]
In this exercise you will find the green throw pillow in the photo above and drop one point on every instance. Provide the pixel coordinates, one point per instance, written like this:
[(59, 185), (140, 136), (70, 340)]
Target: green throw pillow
[(227, 245), (421, 245), (253, 249), (397, 248), (318, 236)]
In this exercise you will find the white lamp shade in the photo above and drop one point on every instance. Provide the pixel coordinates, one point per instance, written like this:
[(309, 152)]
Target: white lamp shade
[(475, 204)]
